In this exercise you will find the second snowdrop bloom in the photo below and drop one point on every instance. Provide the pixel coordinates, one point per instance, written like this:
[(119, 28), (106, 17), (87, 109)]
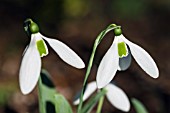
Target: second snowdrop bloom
[(114, 94), (118, 57), (31, 62)]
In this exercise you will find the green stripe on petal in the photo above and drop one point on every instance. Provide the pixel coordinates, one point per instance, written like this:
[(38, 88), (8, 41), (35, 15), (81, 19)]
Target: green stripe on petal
[(41, 46), (122, 49)]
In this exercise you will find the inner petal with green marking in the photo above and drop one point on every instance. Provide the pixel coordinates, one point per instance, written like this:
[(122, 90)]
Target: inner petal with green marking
[(122, 49), (42, 48)]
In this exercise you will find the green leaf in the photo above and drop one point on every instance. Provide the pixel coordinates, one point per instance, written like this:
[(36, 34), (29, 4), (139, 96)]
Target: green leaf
[(61, 104), (45, 79), (93, 101), (139, 107), (50, 101)]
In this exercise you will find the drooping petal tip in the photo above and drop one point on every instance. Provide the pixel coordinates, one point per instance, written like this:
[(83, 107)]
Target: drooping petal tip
[(81, 64), (156, 75), (117, 97)]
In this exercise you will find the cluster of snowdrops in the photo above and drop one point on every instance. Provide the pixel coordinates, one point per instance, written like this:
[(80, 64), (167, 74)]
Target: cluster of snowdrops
[(117, 57)]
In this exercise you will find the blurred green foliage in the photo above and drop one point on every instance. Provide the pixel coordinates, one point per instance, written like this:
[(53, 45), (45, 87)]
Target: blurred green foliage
[(129, 8), (76, 8), (151, 15), (6, 92)]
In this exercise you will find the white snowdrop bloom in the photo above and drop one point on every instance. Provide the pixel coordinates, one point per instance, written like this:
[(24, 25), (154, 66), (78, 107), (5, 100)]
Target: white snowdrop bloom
[(114, 94), (118, 57), (31, 61)]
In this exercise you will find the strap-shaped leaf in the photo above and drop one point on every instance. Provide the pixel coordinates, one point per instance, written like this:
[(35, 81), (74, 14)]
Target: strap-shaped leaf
[(61, 104), (93, 101), (49, 99), (139, 107)]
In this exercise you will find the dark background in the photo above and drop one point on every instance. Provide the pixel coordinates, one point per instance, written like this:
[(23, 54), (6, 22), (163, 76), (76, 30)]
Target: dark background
[(77, 23)]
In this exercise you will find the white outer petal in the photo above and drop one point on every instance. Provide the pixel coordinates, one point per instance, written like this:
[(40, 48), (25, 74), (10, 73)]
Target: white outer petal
[(30, 68), (144, 60), (65, 53), (108, 66), (91, 87), (117, 97)]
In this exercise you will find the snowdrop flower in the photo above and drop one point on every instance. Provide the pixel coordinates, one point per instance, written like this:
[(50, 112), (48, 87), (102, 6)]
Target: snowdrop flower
[(31, 62), (118, 57), (114, 94)]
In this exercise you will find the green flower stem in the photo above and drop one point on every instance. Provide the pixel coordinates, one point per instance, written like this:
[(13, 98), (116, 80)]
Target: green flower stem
[(40, 99), (97, 42), (28, 20), (100, 104)]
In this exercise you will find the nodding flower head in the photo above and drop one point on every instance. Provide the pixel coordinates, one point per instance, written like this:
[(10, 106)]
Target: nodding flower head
[(31, 61), (118, 57)]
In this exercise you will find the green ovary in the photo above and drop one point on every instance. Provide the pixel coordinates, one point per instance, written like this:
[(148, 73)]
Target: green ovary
[(122, 50), (41, 48)]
